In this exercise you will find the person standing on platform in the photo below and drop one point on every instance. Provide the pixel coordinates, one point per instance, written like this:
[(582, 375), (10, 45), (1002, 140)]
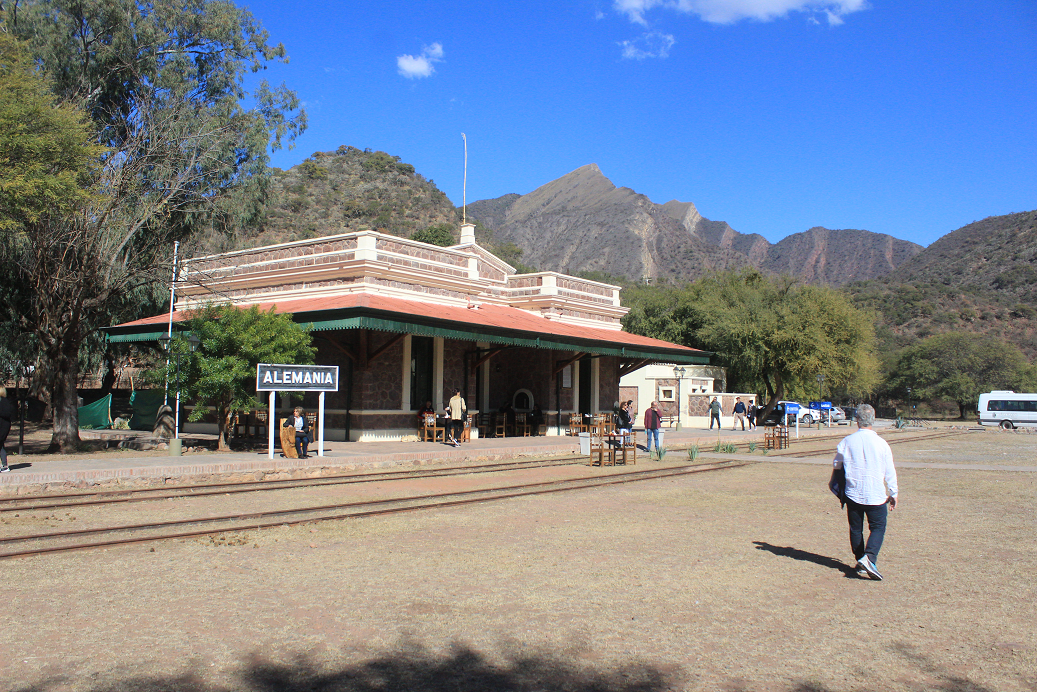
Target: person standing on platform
[(739, 411), (653, 421), (458, 411), (714, 413), (750, 413), (870, 485), (7, 414)]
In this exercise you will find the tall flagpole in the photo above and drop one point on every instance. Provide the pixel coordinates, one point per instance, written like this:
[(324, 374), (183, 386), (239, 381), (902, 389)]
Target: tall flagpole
[(464, 187), (169, 331)]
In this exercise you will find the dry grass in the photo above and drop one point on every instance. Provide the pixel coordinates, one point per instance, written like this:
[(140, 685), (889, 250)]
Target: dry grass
[(737, 580)]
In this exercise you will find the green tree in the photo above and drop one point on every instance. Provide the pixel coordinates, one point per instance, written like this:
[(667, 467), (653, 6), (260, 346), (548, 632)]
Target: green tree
[(46, 156), (222, 372), (440, 235), (770, 333), (960, 366), (186, 154)]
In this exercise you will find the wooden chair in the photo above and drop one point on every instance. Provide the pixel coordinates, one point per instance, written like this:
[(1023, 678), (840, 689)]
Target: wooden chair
[(601, 423), (598, 448), (433, 429), (776, 437), (500, 425), (287, 440), (485, 424), (522, 424), (259, 423), (575, 423), (629, 448)]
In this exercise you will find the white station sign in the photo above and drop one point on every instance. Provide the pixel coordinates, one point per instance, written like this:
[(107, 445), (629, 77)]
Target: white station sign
[(296, 378)]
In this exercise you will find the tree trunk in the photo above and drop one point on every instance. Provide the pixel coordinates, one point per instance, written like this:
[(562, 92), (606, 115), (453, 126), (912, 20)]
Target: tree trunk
[(63, 376), (776, 394), (225, 418)]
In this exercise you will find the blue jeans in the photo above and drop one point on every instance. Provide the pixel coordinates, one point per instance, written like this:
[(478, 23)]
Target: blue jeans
[(649, 434), (302, 444), (876, 514)]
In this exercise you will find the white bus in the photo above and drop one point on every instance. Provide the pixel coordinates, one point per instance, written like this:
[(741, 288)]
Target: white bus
[(1008, 409)]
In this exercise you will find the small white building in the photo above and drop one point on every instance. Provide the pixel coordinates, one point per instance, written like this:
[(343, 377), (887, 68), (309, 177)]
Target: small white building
[(693, 386)]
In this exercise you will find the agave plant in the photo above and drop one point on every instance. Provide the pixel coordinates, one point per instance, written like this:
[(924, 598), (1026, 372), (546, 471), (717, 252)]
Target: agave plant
[(752, 447), (717, 447), (661, 452), (693, 452)]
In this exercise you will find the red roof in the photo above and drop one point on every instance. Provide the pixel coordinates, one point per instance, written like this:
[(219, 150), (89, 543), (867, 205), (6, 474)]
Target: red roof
[(495, 317)]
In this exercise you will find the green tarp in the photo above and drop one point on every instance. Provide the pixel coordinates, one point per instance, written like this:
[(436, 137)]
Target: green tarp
[(98, 415), (145, 403)]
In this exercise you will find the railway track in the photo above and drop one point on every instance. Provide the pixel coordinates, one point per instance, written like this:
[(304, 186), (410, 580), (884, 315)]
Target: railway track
[(112, 536), (107, 497), (800, 451)]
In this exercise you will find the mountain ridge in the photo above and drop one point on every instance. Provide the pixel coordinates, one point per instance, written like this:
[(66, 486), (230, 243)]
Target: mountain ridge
[(636, 238)]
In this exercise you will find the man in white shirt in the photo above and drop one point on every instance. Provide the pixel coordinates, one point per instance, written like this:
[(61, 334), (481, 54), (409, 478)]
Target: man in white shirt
[(871, 483)]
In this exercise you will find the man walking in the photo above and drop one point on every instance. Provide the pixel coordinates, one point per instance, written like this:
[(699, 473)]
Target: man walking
[(714, 413), (458, 410), (653, 420), (871, 483), (739, 411)]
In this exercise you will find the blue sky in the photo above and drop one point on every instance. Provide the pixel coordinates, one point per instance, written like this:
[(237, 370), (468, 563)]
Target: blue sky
[(911, 118)]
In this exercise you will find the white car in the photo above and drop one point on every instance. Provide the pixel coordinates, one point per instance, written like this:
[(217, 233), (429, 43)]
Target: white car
[(805, 415)]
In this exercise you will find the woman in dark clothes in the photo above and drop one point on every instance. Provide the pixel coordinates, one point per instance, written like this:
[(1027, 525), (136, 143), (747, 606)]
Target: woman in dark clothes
[(7, 413)]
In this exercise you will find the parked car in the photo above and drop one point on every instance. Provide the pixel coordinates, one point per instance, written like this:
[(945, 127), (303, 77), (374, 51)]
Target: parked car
[(805, 415), (838, 415)]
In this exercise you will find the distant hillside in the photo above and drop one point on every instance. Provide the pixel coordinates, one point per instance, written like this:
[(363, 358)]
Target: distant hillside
[(998, 253), (838, 257), (979, 278), (583, 223), (349, 190)]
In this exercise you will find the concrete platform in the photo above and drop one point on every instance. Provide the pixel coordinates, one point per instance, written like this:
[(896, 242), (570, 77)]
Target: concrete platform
[(98, 467)]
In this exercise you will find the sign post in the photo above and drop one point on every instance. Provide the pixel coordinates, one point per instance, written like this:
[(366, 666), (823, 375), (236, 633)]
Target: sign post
[(275, 378), (792, 409)]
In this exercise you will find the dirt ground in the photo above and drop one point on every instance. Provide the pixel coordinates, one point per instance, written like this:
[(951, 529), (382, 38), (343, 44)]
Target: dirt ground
[(734, 580)]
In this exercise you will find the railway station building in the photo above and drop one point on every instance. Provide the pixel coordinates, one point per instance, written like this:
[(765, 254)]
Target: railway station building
[(408, 322)]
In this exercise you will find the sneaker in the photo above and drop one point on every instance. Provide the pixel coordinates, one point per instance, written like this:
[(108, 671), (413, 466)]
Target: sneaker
[(865, 564), (5, 469), (862, 574)]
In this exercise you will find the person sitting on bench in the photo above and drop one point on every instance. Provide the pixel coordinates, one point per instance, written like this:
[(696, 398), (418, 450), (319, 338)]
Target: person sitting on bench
[(302, 432)]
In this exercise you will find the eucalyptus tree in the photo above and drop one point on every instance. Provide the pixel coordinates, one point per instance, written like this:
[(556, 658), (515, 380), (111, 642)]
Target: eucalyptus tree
[(960, 366), (186, 147), (771, 333)]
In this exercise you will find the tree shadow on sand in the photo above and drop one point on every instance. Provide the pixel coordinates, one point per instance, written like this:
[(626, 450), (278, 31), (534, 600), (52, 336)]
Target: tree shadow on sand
[(411, 667), (408, 668), (804, 556)]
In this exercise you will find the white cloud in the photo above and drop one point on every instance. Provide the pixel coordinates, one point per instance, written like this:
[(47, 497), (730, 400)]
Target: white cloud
[(649, 45), (418, 66), (731, 11)]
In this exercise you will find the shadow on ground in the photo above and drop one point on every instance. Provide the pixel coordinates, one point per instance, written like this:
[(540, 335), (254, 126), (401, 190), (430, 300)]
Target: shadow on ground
[(410, 668), (414, 668), (797, 554)]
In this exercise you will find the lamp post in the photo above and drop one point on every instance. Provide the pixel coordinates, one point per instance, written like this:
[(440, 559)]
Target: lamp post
[(820, 398), (167, 342), (909, 399), (678, 373)]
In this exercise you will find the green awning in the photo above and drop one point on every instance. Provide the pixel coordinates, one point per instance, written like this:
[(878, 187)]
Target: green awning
[(450, 330)]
